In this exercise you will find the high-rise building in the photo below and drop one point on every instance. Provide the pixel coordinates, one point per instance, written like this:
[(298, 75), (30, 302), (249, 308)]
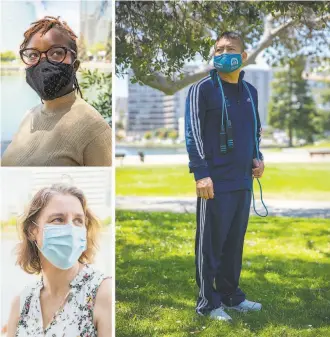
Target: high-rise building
[(18, 15), (121, 110), (260, 77), (95, 21), (149, 109)]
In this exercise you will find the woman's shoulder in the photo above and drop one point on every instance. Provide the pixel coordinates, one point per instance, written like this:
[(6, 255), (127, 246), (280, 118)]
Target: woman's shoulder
[(89, 276), (31, 112), (31, 288), (84, 116), (83, 108), (28, 292)]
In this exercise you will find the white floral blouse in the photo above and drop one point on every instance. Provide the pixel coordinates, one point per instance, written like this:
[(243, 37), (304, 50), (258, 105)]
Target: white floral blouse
[(76, 317)]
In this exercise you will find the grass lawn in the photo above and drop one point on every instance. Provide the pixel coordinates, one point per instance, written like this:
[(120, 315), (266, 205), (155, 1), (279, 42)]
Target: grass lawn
[(286, 267), (292, 181)]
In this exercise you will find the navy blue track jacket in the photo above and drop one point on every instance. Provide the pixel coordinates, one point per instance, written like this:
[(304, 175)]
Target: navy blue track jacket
[(231, 171)]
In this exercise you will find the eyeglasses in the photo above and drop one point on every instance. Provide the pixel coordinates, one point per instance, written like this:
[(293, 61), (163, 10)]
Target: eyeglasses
[(54, 55)]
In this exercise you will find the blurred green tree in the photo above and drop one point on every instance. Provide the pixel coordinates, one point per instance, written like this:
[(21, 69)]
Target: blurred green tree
[(173, 134), (7, 56), (148, 135), (292, 107), (96, 81), (96, 47), (325, 114)]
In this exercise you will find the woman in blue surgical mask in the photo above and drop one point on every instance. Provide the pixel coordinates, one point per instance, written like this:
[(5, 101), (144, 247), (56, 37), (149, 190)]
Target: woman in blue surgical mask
[(58, 242)]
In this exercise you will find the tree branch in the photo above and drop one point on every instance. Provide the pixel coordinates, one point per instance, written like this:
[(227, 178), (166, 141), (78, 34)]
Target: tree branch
[(169, 87)]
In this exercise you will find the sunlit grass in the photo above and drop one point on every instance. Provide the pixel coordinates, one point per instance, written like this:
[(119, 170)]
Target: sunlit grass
[(291, 181), (286, 267)]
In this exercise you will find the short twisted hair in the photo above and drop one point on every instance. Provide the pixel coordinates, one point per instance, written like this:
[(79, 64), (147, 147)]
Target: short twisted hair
[(46, 24)]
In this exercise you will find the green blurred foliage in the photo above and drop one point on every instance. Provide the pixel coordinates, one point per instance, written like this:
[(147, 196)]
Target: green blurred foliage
[(7, 56), (102, 84), (292, 107), (96, 47)]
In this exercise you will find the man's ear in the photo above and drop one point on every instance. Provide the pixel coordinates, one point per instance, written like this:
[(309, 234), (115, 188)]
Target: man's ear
[(244, 56), (76, 65)]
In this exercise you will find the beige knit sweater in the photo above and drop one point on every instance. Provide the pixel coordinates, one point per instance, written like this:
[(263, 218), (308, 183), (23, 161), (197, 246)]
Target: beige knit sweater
[(68, 132)]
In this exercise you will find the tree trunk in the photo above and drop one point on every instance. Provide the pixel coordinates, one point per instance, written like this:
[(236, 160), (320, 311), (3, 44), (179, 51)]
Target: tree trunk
[(290, 136)]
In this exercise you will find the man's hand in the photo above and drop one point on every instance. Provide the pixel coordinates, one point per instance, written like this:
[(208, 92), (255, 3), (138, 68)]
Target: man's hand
[(204, 188), (258, 168)]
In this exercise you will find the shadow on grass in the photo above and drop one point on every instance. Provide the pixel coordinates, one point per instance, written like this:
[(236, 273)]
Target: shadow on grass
[(155, 285)]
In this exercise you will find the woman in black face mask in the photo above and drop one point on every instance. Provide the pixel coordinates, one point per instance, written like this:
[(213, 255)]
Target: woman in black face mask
[(64, 130)]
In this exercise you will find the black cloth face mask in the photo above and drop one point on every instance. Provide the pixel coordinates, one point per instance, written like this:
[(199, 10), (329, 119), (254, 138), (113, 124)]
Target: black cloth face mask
[(51, 81)]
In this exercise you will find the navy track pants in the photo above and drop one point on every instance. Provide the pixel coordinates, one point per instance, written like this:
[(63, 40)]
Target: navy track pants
[(221, 227)]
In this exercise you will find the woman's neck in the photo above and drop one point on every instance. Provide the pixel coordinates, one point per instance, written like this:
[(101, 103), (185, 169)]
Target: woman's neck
[(230, 77), (57, 281), (60, 103)]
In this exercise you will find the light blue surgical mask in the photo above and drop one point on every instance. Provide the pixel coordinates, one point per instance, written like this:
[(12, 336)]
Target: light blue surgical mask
[(63, 244), (227, 63)]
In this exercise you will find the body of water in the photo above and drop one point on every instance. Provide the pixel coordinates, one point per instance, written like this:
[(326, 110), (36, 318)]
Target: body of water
[(16, 99), (134, 150)]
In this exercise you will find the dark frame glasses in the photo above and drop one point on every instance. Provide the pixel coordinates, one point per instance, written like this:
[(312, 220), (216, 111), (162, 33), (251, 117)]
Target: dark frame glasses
[(54, 55)]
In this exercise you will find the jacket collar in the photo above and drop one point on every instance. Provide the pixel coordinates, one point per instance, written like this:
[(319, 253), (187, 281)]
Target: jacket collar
[(214, 77)]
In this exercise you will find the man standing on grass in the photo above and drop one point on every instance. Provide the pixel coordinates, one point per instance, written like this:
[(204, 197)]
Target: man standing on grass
[(222, 139)]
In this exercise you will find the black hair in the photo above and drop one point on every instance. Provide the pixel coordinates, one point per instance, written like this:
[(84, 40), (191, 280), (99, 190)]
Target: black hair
[(230, 35)]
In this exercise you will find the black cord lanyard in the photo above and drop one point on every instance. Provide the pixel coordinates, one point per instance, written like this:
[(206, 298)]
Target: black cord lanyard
[(226, 137)]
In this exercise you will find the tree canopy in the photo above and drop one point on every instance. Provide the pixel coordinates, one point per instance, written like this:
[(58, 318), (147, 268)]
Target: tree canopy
[(158, 38)]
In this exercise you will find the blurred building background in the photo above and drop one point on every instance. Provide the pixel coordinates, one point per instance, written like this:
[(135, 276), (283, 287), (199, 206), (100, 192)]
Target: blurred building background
[(92, 19), (146, 109), (17, 188), (95, 21), (149, 109)]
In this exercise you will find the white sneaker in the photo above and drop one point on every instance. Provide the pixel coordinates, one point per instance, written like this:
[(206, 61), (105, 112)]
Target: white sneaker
[(220, 315), (246, 306)]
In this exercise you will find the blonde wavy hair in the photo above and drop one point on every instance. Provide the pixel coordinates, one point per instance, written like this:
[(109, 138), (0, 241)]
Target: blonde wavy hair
[(27, 252)]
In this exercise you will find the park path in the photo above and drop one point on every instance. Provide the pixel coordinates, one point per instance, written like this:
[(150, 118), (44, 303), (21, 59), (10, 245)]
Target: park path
[(289, 208), (297, 156)]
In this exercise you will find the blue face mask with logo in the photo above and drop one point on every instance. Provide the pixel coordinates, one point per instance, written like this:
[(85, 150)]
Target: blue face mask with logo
[(63, 244), (227, 63)]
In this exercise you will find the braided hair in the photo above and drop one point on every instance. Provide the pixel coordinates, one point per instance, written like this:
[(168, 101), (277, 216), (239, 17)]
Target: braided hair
[(46, 24)]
